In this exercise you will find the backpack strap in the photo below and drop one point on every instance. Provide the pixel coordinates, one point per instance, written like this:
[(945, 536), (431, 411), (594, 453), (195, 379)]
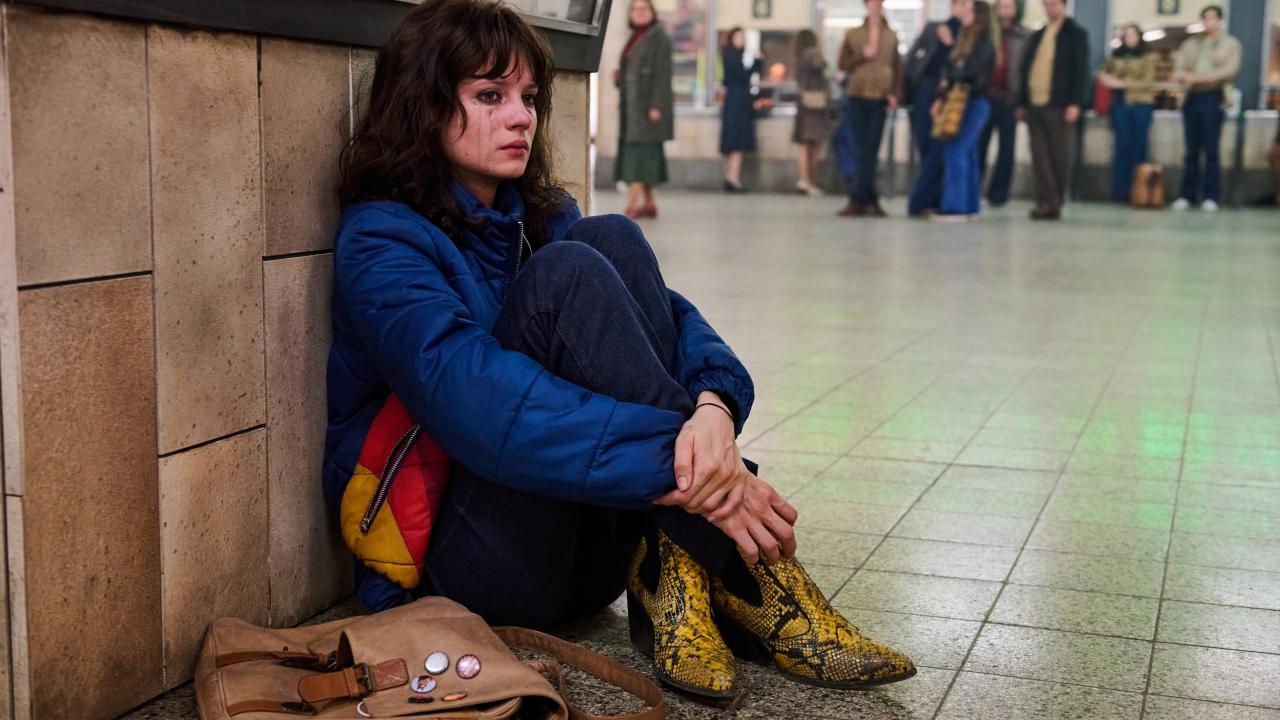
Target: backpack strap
[(610, 671)]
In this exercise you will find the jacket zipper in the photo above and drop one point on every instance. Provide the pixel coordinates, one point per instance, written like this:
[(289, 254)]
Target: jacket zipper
[(524, 242), (398, 454)]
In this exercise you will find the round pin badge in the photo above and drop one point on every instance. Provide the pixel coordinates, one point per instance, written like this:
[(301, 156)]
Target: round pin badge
[(436, 663), (468, 666), (454, 696), (361, 711), (424, 684)]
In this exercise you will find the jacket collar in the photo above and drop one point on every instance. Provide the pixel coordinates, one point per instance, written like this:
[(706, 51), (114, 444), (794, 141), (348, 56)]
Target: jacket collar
[(508, 206)]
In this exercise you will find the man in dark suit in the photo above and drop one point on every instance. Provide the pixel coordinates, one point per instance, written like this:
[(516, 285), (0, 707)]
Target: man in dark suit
[(1054, 87)]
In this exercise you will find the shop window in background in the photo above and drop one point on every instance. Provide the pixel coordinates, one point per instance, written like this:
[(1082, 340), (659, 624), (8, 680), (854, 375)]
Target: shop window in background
[(686, 21)]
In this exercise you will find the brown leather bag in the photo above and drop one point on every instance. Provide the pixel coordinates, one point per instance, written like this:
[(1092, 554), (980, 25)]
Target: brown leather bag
[(375, 666), (1147, 190), (947, 125)]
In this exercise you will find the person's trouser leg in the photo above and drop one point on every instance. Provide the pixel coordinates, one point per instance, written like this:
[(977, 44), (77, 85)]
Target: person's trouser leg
[(984, 137), (1122, 164), (1002, 176), (1192, 137), (516, 557), (869, 119), (1211, 140), (922, 116), (1061, 141), (1042, 185), (962, 185), (1142, 116)]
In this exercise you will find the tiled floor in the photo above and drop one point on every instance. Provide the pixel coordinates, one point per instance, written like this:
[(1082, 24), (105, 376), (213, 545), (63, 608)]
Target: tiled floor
[(1042, 459)]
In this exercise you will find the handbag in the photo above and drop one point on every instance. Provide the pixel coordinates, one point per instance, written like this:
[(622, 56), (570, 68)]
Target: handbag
[(431, 658), (1147, 190), (814, 99), (1101, 99), (947, 125)]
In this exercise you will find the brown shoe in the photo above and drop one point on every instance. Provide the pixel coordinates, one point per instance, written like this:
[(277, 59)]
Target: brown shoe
[(853, 209), (874, 210), (1046, 214), (647, 211)]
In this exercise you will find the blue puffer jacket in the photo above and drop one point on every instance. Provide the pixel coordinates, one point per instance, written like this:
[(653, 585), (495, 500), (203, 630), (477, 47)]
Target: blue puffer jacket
[(412, 314)]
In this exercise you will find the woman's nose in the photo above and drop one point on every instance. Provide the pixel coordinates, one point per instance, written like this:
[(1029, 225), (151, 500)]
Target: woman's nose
[(520, 116)]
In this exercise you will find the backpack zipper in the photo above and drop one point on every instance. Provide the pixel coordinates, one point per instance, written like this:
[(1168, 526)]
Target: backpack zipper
[(398, 454)]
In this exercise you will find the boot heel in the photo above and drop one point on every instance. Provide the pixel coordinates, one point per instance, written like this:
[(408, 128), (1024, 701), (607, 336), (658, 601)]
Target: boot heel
[(639, 626), (743, 644)]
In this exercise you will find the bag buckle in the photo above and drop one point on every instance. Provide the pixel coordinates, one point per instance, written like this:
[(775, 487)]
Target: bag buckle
[(364, 677)]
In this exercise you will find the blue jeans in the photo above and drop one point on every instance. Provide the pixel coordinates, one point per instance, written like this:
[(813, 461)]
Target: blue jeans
[(1004, 124), (928, 183), (961, 176), (1131, 125), (594, 310), (867, 117), (1202, 134)]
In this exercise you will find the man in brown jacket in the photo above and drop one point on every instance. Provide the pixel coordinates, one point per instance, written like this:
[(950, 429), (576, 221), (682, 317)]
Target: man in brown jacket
[(870, 57)]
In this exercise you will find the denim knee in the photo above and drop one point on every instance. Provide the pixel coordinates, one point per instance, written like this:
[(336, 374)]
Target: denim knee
[(617, 237)]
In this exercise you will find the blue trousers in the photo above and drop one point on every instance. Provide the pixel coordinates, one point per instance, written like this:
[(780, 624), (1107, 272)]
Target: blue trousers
[(961, 174), (1131, 125), (1202, 134), (594, 310), (1003, 124), (867, 118), (928, 183)]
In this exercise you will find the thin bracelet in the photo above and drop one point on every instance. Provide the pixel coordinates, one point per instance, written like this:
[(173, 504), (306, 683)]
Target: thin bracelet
[(717, 405)]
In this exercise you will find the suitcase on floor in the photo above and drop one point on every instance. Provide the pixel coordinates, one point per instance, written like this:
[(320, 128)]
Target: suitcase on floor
[(1147, 190)]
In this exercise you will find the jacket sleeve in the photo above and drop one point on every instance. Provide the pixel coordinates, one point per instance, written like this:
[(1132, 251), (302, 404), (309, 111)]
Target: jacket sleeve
[(1024, 67), (1231, 65), (663, 99), (705, 362), (495, 411), (849, 53), (1080, 77)]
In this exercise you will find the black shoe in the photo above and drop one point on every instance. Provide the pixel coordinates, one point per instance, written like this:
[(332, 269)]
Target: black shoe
[(733, 189)]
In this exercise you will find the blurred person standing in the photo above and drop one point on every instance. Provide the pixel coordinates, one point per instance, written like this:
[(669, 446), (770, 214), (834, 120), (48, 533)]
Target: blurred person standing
[(645, 109), (737, 116), (1205, 64), (1130, 73), (813, 115), (869, 56), (1010, 42), (1053, 86), (925, 63), (968, 72)]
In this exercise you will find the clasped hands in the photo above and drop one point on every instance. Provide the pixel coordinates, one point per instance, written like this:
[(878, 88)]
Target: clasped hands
[(711, 480)]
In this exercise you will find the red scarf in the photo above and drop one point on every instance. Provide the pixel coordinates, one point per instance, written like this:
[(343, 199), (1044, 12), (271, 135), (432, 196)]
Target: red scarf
[(637, 34)]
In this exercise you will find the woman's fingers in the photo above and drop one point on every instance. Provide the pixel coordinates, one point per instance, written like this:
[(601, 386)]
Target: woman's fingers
[(785, 510), (769, 546), (785, 534), (731, 503), (684, 457), (750, 551)]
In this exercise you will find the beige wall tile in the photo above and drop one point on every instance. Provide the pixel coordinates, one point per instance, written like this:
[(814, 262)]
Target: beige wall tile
[(78, 87), (310, 569), (208, 234), (571, 133), (10, 409), (362, 64), (20, 674), (213, 539), (89, 515), (305, 118)]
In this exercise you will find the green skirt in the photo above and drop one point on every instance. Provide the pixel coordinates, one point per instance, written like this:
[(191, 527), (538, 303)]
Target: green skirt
[(642, 163)]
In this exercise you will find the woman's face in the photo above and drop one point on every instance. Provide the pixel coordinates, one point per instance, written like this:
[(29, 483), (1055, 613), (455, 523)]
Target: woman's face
[(498, 135), (1131, 37), (738, 40), (641, 13), (966, 15)]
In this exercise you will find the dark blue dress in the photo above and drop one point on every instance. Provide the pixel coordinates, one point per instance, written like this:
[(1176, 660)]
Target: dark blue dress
[(737, 118)]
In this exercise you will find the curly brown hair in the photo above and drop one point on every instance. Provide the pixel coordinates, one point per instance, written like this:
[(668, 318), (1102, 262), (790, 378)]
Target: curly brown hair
[(397, 150)]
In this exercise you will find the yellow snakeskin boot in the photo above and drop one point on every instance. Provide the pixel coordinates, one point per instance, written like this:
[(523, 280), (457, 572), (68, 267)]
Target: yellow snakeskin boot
[(673, 624), (803, 635)]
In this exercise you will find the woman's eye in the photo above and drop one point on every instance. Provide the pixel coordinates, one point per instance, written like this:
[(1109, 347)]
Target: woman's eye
[(489, 96), (529, 98)]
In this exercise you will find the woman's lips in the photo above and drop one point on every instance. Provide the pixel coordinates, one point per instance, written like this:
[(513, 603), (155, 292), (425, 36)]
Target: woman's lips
[(516, 147)]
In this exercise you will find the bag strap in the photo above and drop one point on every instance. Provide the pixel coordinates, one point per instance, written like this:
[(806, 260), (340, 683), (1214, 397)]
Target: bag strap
[(610, 671)]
